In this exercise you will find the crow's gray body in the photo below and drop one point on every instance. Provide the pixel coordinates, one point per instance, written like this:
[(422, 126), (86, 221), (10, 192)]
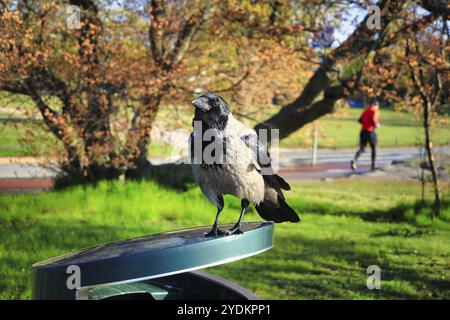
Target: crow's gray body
[(239, 175), (240, 172)]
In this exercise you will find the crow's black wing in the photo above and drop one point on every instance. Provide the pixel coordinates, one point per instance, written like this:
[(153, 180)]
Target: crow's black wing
[(262, 157)]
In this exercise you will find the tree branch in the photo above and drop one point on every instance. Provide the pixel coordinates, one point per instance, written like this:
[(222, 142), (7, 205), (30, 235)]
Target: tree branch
[(302, 110)]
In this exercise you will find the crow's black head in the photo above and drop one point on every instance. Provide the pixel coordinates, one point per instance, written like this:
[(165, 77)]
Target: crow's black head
[(212, 110)]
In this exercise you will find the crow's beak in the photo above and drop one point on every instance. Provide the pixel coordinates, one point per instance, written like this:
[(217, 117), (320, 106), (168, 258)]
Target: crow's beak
[(201, 103)]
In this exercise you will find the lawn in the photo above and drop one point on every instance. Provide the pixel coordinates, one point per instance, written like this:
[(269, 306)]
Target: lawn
[(9, 137), (12, 132), (325, 256)]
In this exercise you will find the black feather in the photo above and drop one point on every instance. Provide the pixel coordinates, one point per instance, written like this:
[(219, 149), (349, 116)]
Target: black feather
[(282, 183), (262, 157), (277, 212)]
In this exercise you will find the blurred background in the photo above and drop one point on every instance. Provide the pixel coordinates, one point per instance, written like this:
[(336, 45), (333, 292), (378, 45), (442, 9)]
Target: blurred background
[(95, 113)]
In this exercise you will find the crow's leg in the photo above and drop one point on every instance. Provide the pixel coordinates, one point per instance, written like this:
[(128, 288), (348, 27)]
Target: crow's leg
[(215, 230), (237, 227)]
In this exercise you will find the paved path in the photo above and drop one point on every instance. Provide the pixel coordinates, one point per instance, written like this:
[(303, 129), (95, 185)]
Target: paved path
[(292, 157), (24, 185), (23, 170), (298, 160), (326, 170)]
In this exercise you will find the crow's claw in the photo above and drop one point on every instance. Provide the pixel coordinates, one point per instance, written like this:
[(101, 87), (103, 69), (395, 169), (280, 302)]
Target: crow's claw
[(235, 230), (214, 232)]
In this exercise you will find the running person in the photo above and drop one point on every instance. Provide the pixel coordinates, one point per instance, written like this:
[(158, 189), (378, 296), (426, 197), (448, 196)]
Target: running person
[(369, 122)]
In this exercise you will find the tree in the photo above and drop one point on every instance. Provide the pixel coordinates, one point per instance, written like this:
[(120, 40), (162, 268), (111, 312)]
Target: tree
[(329, 83), (99, 88), (428, 69), (107, 78)]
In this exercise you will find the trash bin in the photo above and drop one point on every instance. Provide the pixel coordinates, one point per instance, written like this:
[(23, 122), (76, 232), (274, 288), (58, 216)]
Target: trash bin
[(155, 267)]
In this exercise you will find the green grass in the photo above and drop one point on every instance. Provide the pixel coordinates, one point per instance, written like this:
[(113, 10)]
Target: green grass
[(9, 142), (347, 225), (397, 129), (12, 132)]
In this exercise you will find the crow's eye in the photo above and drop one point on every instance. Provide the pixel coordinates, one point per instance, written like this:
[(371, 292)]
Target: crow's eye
[(215, 101)]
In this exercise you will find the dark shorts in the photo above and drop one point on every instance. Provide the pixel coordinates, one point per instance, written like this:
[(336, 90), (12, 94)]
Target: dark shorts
[(366, 137)]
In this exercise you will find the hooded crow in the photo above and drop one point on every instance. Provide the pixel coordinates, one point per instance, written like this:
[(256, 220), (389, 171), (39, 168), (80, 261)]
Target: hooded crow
[(228, 158)]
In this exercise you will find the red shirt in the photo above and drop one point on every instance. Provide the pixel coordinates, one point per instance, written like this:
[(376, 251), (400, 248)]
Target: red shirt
[(369, 119)]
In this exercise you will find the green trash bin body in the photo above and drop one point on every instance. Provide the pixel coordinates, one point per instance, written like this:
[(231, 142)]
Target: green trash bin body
[(157, 267)]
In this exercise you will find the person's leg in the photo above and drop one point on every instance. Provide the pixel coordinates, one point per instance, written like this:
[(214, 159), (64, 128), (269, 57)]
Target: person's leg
[(373, 146), (361, 150), (359, 153)]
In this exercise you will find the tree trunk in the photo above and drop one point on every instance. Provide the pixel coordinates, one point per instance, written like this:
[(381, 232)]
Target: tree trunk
[(142, 126), (431, 159), (303, 111)]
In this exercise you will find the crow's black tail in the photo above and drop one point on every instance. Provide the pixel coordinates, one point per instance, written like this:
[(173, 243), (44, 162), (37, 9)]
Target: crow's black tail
[(277, 211)]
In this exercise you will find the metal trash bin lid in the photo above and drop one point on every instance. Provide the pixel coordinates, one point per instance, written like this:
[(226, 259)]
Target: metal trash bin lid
[(150, 257)]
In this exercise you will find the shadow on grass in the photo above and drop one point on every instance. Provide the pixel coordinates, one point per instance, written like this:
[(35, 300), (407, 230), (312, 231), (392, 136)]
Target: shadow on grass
[(401, 213), (303, 268), (170, 175), (405, 232), (409, 213)]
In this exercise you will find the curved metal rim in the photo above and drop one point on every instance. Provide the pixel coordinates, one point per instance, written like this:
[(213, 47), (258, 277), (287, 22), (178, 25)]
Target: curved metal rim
[(43, 264), (81, 291)]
